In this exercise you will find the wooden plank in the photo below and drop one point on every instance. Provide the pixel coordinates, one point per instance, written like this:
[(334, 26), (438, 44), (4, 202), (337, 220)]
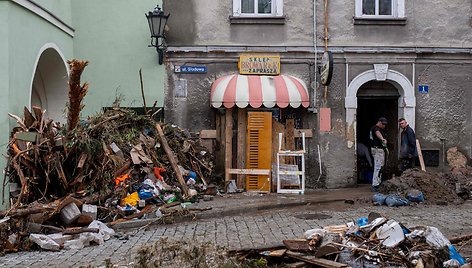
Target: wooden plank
[(290, 134), (308, 133), (26, 136), (241, 145), (290, 139), (314, 260), (298, 245), (172, 158), (208, 134), (219, 144), (420, 155), (277, 128), (248, 171), (259, 146), (277, 253), (228, 143)]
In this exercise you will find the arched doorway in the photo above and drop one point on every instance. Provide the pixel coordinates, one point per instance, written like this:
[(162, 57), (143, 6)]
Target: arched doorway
[(49, 88), (374, 93), (377, 99)]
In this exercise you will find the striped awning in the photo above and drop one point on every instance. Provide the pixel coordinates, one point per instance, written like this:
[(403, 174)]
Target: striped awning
[(257, 91)]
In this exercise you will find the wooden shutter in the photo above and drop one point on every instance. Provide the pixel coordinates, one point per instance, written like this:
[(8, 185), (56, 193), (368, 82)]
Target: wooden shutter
[(259, 149)]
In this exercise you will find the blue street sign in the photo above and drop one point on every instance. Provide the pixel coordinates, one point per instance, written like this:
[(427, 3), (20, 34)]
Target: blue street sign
[(190, 69), (423, 88)]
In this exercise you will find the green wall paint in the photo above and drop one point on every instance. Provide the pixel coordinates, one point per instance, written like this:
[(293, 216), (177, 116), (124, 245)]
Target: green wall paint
[(60, 8), (4, 88), (113, 36), (26, 34)]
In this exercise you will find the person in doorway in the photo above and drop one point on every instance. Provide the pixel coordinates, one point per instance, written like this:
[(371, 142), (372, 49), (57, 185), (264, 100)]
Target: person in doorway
[(364, 153), (379, 144), (407, 145)]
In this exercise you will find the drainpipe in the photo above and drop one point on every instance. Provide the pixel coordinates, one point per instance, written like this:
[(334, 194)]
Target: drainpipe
[(316, 52), (325, 42)]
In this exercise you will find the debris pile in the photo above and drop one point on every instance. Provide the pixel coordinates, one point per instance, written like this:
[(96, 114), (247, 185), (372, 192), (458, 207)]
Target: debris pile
[(442, 188), (113, 167), (375, 241)]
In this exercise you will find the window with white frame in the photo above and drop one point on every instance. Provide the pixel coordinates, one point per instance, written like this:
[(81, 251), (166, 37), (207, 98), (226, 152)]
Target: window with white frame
[(257, 8), (380, 8)]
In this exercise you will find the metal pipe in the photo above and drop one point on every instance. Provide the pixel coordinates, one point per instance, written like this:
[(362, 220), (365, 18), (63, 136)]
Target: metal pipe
[(319, 160), (325, 97), (315, 84), (443, 144)]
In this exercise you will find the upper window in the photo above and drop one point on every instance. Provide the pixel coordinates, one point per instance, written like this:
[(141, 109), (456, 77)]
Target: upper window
[(380, 8), (257, 8)]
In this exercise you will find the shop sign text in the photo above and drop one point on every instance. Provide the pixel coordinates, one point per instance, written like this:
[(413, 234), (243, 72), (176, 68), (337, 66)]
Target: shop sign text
[(269, 65)]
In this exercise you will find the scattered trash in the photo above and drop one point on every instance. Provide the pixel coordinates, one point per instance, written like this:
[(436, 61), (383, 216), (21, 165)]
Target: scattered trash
[(373, 241)]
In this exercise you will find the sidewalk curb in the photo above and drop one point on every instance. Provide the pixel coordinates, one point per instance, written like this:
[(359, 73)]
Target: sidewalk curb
[(217, 214)]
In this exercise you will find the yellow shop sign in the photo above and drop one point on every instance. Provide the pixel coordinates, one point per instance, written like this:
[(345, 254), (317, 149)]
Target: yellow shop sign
[(250, 64)]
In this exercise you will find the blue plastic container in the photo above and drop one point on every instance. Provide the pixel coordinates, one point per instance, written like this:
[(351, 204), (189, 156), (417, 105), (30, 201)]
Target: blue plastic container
[(453, 254)]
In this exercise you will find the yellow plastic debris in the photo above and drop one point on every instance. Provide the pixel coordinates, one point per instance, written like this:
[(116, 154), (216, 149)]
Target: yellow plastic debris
[(131, 200)]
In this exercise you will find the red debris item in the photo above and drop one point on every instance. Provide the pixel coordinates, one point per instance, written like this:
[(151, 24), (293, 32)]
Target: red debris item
[(158, 171), (120, 180)]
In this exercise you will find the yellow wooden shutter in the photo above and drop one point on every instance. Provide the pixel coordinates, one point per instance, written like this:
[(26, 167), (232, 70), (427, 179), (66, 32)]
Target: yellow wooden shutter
[(259, 149)]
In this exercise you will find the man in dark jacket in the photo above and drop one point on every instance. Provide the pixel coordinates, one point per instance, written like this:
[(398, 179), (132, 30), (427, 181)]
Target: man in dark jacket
[(378, 145), (407, 145)]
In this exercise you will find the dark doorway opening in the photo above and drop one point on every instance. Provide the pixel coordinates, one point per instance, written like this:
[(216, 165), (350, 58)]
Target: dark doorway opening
[(374, 100)]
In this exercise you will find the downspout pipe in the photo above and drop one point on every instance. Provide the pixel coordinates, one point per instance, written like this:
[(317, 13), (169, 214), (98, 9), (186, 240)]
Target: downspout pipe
[(316, 53)]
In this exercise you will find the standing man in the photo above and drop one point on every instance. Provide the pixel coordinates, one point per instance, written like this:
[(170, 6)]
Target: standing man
[(407, 145), (379, 143)]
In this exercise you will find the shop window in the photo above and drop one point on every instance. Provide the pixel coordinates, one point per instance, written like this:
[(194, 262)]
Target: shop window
[(380, 12), (257, 8)]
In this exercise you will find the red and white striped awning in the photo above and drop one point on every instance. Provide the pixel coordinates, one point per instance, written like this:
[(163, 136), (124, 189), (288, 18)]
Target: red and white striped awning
[(255, 90)]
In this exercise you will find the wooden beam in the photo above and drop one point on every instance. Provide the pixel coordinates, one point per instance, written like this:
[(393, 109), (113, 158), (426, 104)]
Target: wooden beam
[(314, 260), (290, 139), (241, 145), (308, 133), (277, 128), (172, 158), (290, 134), (420, 155), (208, 134), (243, 171), (228, 143)]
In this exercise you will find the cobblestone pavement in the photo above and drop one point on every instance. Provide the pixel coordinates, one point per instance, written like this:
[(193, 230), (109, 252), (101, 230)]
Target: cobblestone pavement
[(250, 230)]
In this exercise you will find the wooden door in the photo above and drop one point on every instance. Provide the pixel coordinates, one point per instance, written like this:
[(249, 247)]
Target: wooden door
[(259, 149)]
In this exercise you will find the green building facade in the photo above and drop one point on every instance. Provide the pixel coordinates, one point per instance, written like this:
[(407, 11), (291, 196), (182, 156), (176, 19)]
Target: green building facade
[(38, 37)]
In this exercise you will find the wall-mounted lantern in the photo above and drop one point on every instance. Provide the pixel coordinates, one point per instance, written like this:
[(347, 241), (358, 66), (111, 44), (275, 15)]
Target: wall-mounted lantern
[(157, 22)]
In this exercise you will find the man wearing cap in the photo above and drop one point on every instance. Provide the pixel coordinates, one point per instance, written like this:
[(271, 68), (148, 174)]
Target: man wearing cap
[(408, 145), (378, 143)]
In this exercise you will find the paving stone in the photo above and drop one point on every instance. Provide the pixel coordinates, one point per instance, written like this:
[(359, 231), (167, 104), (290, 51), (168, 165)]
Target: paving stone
[(266, 228)]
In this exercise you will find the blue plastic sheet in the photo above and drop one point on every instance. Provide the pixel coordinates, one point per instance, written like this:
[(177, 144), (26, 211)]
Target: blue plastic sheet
[(415, 196), (379, 199), (396, 201), (453, 254)]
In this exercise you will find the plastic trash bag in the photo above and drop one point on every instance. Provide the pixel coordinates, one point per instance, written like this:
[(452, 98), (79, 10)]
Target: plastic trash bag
[(310, 234), (415, 196), (396, 201), (379, 199)]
